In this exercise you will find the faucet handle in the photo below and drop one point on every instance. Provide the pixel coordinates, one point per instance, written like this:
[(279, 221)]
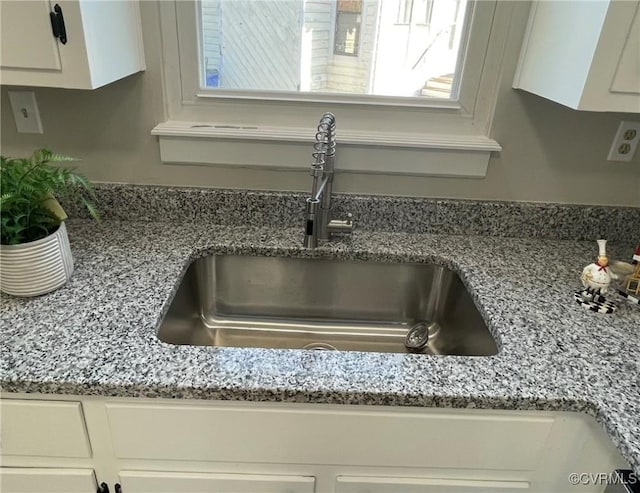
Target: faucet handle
[(341, 226), (349, 219)]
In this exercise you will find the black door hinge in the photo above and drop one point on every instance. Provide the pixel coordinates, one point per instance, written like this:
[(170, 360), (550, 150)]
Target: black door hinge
[(103, 488), (57, 24)]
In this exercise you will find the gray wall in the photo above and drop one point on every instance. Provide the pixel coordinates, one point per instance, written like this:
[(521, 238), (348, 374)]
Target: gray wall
[(551, 153)]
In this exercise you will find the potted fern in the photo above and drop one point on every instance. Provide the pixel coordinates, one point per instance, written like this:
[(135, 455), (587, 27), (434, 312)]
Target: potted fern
[(35, 257)]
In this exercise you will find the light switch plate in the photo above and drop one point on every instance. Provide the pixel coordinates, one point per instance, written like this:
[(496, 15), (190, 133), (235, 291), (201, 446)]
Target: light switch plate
[(25, 112)]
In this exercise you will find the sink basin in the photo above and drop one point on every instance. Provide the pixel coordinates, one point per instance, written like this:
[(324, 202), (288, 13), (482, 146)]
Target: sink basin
[(274, 302)]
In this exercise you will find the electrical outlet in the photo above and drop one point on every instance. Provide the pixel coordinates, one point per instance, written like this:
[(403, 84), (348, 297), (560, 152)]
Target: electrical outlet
[(25, 112), (625, 142)]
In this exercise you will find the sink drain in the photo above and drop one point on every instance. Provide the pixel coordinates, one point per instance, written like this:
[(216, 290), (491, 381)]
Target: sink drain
[(320, 346), (418, 336)]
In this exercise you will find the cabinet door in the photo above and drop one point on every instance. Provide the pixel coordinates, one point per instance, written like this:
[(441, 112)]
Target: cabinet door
[(104, 43), (593, 68), (340, 435), (39, 480), (27, 39), (176, 482), (43, 428), (360, 484), (627, 76)]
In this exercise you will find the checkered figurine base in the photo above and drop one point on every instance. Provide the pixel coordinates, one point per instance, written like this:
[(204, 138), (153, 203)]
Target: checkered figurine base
[(594, 302)]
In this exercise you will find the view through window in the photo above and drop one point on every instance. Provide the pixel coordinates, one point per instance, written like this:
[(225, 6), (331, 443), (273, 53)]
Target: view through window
[(375, 47)]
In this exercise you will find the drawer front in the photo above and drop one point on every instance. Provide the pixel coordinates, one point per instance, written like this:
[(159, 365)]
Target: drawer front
[(39, 480), (175, 482), (310, 435), (43, 428), (355, 484)]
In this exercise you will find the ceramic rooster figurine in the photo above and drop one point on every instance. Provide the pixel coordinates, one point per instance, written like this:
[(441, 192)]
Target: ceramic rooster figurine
[(596, 277)]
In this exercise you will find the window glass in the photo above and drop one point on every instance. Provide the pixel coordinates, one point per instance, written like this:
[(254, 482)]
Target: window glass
[(427, 10), (405, 9), (348, 18), (403, 48)]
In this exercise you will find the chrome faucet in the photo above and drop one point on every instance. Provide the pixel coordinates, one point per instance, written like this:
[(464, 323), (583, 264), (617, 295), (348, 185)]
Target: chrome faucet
[(319, 225)]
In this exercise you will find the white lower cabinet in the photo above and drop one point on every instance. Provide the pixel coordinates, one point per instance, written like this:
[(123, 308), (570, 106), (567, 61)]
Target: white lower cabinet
[(175, 482), (317, 434), (43, 428), (73, 444), (355, 484), (46, 480)]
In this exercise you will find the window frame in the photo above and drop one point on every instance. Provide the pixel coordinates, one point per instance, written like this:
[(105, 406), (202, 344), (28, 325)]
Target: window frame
[(429, 126)]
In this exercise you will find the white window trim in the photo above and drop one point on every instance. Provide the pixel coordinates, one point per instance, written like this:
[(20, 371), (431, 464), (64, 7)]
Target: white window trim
[(448, 138)]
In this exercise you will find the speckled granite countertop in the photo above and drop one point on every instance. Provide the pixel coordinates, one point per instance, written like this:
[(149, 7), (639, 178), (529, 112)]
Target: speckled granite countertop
[(97, 334)]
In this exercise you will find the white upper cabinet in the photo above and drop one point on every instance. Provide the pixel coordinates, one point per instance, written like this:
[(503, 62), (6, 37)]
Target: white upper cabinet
[(584, 54), (101, 42)]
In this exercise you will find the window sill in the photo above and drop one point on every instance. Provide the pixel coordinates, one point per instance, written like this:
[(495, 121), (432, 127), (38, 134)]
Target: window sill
[(183, 142)]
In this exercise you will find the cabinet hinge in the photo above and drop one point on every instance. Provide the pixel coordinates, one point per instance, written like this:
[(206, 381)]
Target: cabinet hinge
[(57, 24)]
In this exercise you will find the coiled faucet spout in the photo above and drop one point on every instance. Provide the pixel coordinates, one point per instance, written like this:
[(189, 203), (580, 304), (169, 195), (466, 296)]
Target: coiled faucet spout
[(319, 226)]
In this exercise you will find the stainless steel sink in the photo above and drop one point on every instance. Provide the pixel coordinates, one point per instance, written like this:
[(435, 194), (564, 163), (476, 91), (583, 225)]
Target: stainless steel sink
[(273, 302)]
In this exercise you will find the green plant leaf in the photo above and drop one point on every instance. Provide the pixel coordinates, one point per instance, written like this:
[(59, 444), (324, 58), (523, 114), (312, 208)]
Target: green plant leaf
[(26, 184)]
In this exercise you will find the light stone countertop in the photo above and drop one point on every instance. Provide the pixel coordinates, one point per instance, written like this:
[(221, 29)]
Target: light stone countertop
[(97, 335)]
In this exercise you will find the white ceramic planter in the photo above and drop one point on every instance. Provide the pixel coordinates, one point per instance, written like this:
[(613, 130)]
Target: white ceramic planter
[(37, 267)]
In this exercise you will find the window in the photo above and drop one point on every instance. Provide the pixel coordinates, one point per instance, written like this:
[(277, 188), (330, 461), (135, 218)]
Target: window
[(428, 10), (286, 45), (386, 124), (348, 17), (423, 11), (405, 11)]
